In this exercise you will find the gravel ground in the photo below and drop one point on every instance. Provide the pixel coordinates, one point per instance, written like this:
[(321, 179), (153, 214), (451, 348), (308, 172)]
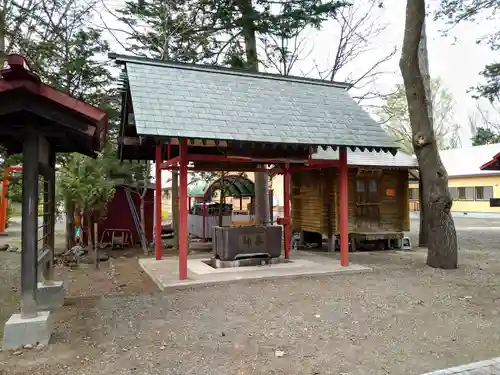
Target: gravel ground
[(403, 318)]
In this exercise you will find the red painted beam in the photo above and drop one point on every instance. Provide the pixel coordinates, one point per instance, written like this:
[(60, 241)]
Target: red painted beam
[(170, 162), (243, 159), (299, 168), (158, 242), (344, 209), (286, 209), (268, 170), (331, 163), (202, 169), (183, 210)]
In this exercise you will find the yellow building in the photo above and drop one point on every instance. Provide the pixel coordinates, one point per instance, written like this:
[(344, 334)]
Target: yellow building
[(470, 187)]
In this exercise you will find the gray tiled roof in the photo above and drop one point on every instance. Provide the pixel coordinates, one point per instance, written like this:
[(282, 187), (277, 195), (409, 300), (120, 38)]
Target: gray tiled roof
[(202, 102), (370, 159)]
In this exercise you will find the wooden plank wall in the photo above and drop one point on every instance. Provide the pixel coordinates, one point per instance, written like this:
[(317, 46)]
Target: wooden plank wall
[(391, 216), (351, 197), (307, 207), (316, 196), (405, 193)]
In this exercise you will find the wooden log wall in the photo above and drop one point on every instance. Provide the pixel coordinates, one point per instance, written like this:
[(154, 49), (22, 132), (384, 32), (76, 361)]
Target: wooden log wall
[(315, 201), (392, 208), (307, 205)]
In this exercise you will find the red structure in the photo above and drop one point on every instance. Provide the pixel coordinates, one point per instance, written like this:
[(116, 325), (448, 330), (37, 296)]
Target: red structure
[(5, 191), (119, 216), (492, 165), (158, 194), (203, 118), (286, 170)]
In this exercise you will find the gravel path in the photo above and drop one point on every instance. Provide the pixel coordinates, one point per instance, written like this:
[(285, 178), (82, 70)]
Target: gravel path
[(403, 318)]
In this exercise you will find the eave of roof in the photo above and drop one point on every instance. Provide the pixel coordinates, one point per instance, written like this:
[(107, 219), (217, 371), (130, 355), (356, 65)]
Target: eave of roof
[(359, 158), (18, 75)]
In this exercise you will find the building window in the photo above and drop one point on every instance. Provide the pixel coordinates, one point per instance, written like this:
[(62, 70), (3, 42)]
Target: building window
[(454, 193), (367, 191), (373, 188), (466, 193), (484, 193), (360, 186), (414, 194)]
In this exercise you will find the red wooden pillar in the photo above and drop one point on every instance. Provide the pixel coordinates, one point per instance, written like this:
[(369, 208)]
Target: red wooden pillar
[(158, 242), (183, 210), (3, 212), (286, 209), (344, 209), (204, 213)]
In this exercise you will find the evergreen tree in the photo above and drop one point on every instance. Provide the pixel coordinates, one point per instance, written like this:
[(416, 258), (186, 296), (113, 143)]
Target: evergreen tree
[(459, 11)]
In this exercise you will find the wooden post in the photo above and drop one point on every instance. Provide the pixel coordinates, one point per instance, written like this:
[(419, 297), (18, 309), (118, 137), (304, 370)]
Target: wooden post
[(183, 210), (175, 207), (3, 208), (49, 213), (158, 242), (344, 208), (271, 207), (286, 209), (29, 244), (204, 215)]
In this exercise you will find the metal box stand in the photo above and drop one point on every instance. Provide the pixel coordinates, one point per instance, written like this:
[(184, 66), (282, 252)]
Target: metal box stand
[(247, 242)]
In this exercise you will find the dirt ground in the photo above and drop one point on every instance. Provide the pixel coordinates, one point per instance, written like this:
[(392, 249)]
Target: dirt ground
[(403, 318)]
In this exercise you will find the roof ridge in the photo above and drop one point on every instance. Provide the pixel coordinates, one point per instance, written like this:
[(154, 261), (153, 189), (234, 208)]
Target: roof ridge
[(123, 59)]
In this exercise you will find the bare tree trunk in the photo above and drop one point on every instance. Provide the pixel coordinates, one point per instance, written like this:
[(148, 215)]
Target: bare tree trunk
[(423, 61), (442, 247), (3, 31), (222, 199), (261, 178), (175, 207), (423, 233)]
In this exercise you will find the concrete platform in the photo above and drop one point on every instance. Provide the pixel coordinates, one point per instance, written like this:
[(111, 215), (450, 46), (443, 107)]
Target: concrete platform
[(489, 367), (19, 332), (50, 296), (165, 272)]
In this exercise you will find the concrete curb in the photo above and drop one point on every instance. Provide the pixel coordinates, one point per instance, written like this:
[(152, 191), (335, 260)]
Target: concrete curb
[(492, 365), (193, 283)]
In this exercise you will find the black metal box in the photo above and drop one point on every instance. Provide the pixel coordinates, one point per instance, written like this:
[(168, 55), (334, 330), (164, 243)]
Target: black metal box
[(244, 242)]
